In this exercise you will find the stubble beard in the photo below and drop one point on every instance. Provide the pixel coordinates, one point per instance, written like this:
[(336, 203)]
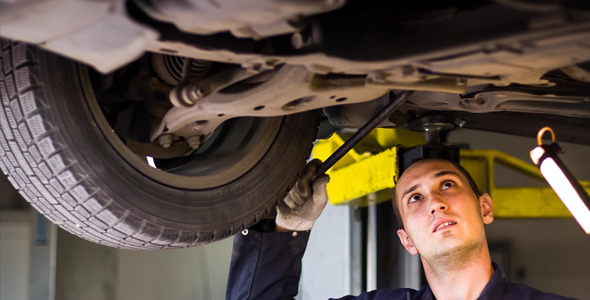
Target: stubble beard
[(453, 257)]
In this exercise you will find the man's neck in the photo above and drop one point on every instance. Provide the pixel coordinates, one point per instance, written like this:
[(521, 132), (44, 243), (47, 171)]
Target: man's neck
[(460, 278)]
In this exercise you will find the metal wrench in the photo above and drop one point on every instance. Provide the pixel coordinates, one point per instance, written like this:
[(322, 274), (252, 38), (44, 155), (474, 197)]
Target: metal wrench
[(361, 133)]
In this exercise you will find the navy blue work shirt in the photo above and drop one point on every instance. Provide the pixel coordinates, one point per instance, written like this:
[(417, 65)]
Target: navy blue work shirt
[(267, 266)]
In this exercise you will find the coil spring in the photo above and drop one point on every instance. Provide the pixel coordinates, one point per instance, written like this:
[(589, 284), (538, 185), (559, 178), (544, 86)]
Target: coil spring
[(170, 68)]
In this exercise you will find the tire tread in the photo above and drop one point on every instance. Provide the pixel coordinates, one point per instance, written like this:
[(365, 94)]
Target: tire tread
[(39, 163)]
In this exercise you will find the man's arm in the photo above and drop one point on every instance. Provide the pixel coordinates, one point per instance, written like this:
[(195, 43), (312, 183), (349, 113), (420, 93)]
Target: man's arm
[(266, 259), (266, 265)]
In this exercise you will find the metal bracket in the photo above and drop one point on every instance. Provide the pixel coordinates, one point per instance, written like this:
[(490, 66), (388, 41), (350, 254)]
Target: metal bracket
[(290, 89)]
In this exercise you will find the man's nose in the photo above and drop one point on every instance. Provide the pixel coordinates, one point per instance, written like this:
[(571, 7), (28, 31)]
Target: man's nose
[(437, 202)]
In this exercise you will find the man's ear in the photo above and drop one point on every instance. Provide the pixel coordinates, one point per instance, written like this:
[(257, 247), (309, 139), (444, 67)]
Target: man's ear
[(406, 242), (487, 208)]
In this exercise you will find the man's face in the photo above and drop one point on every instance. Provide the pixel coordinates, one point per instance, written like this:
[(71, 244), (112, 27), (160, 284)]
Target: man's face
[(441, 213)]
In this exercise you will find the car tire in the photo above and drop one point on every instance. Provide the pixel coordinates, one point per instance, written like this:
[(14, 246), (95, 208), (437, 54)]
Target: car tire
[(58, 152)]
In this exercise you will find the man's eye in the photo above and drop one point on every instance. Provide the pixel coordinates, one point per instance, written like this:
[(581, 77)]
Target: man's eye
[(414, 198), (447, 184)]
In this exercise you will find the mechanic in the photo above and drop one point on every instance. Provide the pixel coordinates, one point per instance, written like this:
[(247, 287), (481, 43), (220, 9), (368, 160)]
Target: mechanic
[(442, 217)]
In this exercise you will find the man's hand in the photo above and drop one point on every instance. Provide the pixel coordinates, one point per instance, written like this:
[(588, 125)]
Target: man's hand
[(305, 201)]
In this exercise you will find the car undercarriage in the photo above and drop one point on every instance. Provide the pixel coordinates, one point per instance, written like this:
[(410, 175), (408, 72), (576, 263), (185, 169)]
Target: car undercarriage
[(220, 92)]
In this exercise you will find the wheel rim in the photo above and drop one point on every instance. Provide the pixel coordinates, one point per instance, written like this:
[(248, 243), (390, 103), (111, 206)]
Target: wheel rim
[(234, 148)]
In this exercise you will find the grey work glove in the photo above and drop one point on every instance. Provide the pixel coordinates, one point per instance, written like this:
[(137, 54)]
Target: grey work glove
[(305, 201)]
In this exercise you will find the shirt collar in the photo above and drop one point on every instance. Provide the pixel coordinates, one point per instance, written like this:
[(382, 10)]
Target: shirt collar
[(495, 287), (492, 291)]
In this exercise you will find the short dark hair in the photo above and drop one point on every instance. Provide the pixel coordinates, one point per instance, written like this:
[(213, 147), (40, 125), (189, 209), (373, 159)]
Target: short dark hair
[(459, 167)]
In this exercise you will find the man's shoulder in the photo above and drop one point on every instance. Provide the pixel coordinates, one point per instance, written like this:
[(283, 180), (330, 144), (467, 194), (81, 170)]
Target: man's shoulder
[(394, 294), (522, 291)]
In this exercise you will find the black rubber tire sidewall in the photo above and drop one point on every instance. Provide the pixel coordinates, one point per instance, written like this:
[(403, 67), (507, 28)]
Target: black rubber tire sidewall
[(105, 199)]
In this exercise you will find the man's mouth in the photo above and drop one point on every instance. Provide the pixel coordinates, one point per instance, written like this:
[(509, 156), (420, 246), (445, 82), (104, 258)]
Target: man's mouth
[(444, 225)]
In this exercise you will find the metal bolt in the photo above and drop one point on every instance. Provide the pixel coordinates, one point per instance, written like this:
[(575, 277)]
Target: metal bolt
[(165, 140), (186, 96), (297, 41), (195, 93), (194, 141), (300, 40), (199, 125)]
